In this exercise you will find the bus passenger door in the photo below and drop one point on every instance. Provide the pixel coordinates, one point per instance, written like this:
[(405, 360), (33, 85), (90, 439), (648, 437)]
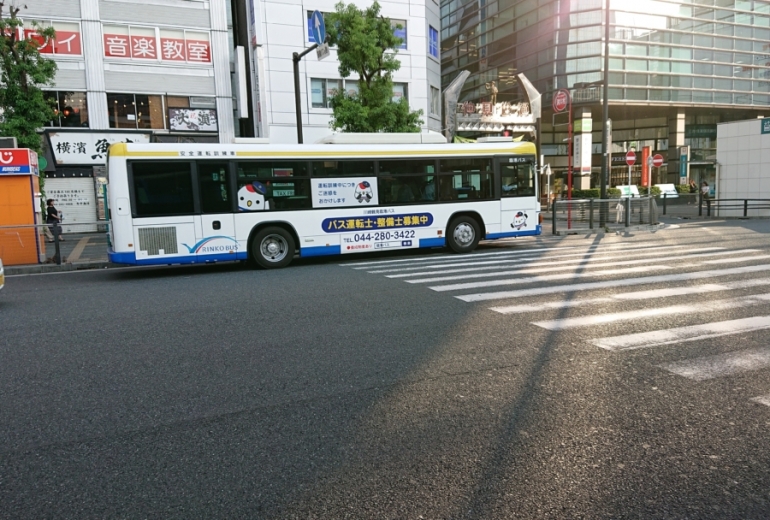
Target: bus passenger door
[(215, 227)]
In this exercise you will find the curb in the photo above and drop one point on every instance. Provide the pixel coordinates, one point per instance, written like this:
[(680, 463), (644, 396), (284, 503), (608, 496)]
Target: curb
[(16, 270)]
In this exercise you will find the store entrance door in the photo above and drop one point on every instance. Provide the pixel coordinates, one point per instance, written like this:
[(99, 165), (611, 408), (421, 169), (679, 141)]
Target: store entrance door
[(704, 172)]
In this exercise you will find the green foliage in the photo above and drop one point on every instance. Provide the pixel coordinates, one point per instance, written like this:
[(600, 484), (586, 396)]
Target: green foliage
[(595, 193), (22, 72), (591, 193), (367, 46), (654, 191), (682, 188)]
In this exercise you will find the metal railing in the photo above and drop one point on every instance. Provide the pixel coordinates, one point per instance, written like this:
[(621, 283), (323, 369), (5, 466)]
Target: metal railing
[(680, 205), (736, 207), (588, 214), (696, 205), (40, 244)]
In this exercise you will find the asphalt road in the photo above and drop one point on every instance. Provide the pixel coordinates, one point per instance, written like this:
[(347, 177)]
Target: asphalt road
[(545, 384)]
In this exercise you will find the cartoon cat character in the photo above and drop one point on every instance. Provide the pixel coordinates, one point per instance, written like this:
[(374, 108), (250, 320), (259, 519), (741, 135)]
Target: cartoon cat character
[(519, 220), (363, 192), (252, 197)]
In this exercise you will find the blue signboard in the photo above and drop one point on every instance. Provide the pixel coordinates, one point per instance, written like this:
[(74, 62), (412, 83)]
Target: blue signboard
[(317, 27), (683, 166)]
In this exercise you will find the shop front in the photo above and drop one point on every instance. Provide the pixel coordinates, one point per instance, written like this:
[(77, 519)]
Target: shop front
[(78, 178)]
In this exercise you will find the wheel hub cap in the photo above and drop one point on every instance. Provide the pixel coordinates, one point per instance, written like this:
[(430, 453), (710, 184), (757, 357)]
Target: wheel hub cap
[(274, 248), (464, 234)]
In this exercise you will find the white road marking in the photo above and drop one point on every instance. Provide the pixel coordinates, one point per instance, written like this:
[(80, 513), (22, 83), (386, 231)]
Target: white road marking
[(439, 261), (665, 278), (451, 256), (736, 260), (541, 261), (635, 295), (656, 338), (547, 278), (710, 367), (608, 247), (575, 263), (763, 399), (707, 306)]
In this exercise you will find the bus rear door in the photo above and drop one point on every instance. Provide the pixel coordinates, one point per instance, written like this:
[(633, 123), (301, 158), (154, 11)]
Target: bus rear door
[(215, 226), (518, 204)]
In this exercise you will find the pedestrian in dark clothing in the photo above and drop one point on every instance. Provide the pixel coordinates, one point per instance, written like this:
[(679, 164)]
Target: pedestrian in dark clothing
[(52, 219)]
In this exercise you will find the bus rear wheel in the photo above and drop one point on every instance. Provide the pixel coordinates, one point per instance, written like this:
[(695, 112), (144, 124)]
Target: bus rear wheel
[(272, 247), (463, 234)]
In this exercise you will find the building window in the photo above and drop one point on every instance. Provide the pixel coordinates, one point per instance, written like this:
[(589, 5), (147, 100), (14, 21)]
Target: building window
[(432, 42), (67, 41), (140, 111), (400, 91), (435, 101), (399, 29), (323, 90), (71, 109), (136, 111)]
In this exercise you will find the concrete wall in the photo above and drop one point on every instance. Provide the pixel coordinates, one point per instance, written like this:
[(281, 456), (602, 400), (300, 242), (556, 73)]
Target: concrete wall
[(743, 157)]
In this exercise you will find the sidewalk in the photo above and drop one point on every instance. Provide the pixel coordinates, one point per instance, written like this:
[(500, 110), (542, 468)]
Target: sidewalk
[(78, 251)]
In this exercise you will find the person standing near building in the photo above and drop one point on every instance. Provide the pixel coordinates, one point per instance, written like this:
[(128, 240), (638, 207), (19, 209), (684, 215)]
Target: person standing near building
[(52, 219), (704, 189)]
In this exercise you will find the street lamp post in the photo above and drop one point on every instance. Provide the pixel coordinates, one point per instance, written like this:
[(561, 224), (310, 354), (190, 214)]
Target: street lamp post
[(605, 176)]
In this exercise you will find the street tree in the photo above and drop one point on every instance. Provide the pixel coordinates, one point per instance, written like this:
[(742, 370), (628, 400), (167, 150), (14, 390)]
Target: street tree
[(367, 46), (23, 71)]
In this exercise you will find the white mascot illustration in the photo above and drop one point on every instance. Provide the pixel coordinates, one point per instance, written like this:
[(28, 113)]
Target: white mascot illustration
[(519, 220), (363, 192), (252, 197)]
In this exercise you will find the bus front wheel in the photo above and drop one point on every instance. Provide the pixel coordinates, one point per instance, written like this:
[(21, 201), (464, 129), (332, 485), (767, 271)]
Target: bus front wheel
[(272, 247), (463, 234)]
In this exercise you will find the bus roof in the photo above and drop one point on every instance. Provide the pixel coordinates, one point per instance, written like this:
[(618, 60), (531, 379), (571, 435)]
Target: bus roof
[(308, 151)]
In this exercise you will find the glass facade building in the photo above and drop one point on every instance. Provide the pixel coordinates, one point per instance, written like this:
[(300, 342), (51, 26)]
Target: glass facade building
[(676, 69)]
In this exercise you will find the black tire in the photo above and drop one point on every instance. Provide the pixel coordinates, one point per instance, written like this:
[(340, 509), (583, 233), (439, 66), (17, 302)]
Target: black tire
[(463, 234), (272, 247)]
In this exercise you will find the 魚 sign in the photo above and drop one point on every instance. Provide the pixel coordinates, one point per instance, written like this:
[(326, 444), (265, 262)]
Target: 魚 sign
[(84, 148)]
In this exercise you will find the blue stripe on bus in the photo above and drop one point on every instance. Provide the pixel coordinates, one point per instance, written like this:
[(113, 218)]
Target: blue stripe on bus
[(432, 242), (130, 259), (532, 232), (319, 251)]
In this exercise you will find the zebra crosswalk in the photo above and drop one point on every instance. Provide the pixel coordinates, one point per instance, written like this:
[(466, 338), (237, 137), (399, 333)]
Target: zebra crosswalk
[(693, 282)]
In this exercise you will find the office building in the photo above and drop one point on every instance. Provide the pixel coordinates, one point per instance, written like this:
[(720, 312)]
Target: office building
[(676, 70), (280, 28)]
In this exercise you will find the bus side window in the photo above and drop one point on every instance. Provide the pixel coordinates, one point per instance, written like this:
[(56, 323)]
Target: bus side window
[(162, 188), (517, 180), (213, 187), (405, 181)]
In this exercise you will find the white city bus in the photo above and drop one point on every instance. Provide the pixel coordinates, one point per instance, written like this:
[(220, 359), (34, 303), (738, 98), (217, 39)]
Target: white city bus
[(198, 203)]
